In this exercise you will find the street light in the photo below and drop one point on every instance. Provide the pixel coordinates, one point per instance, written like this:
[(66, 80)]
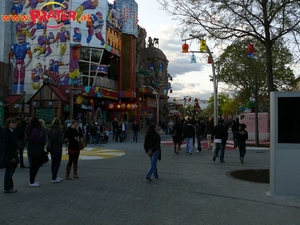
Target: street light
[(214, 76), (157, 104)]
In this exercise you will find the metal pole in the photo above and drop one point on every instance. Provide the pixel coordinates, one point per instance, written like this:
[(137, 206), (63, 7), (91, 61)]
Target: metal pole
[(215, 82)]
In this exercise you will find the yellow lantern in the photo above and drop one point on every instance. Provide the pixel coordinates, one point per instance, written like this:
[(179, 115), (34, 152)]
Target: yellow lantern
[(203, 46)]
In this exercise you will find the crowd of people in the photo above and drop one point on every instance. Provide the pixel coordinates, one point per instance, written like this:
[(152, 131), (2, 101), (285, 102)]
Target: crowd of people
[(31, 133), (192, 132)]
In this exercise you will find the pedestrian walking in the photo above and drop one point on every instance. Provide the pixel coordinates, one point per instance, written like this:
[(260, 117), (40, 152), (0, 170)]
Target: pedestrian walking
[(235, 130), (220, 136), (135, 129), (36, 142), (20, 140), (72, 136), (241, 137), (189, 135), (10, 147), (55, 135), (177, 136), (209, 129), (153, 150)]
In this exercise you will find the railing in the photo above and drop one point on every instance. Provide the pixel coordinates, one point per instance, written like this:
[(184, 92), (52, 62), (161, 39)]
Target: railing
[(105, 82)]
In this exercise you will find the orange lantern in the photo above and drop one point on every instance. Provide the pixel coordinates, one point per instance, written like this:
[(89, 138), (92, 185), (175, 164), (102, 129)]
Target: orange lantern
[(209, 59), (185, 48), (92, 101)]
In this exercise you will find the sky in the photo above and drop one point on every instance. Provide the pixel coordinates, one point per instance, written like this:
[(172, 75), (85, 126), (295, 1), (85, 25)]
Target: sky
[(188, 79)]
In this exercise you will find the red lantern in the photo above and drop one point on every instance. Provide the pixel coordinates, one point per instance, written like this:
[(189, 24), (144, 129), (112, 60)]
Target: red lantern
[(185, 48), (209, 59)]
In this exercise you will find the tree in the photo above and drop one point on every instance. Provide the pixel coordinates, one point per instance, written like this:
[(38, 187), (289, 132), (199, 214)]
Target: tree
[(223, 98), (246, 76), (266, 21)]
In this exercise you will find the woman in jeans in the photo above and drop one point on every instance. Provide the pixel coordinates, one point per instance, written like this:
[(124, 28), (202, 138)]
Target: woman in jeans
[(57, 140), (152, 148), (72, 136), (10, 148)]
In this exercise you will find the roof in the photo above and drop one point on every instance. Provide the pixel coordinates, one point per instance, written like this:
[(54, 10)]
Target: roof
[(12, 99), (58, 93)]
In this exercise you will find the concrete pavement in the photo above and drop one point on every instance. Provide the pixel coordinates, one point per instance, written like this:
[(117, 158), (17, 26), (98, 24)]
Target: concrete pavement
[(192, 189)]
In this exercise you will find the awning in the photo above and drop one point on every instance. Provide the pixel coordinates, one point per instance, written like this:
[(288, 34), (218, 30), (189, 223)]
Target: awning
[(12, 99)]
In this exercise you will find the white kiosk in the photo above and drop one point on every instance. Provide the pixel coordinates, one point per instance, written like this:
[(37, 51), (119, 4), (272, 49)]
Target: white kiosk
[(285, 144)]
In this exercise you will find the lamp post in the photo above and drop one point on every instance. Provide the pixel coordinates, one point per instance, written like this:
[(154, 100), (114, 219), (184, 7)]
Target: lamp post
[(157, 104), (214, 76)]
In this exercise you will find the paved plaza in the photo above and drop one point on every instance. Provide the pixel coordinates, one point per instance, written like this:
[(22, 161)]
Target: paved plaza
[(111, 190)]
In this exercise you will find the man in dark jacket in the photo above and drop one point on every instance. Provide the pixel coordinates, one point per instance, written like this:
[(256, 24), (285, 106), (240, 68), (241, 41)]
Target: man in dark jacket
[(235, 130), (220, 136), (189, 134)]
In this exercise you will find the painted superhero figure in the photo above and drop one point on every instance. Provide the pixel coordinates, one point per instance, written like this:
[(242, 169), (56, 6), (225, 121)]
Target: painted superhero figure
[(77, 35), (95, 27), (36, 75), (33, 3), (61, 37), (17, 7), (54, 68), (20, 50), (65, 9), (40, 47), (47, 47), (23, 28), (89, 4)]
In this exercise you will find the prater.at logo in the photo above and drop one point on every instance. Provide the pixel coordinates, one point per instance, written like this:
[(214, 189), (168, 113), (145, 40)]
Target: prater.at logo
[(44, 15)]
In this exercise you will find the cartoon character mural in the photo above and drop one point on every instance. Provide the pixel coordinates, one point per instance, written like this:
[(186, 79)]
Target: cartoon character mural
[(95, 27), (33, 3), (114, 15), (17, 7), (37, 74), (77, 35), (53, 69), (64, 19), (61, 37), (24, 28), (20, 50), (40, 47), (64, 78), (88, 4), (74, 74)]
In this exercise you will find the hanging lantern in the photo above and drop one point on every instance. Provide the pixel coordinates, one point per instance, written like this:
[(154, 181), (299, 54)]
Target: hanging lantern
[(251, 50), (92, 101), (209, 59), (185, 48), (171, 91), (193, 59), (203, 46)]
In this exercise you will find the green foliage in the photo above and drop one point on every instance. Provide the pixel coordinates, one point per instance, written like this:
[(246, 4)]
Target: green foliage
[(248, 77)]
